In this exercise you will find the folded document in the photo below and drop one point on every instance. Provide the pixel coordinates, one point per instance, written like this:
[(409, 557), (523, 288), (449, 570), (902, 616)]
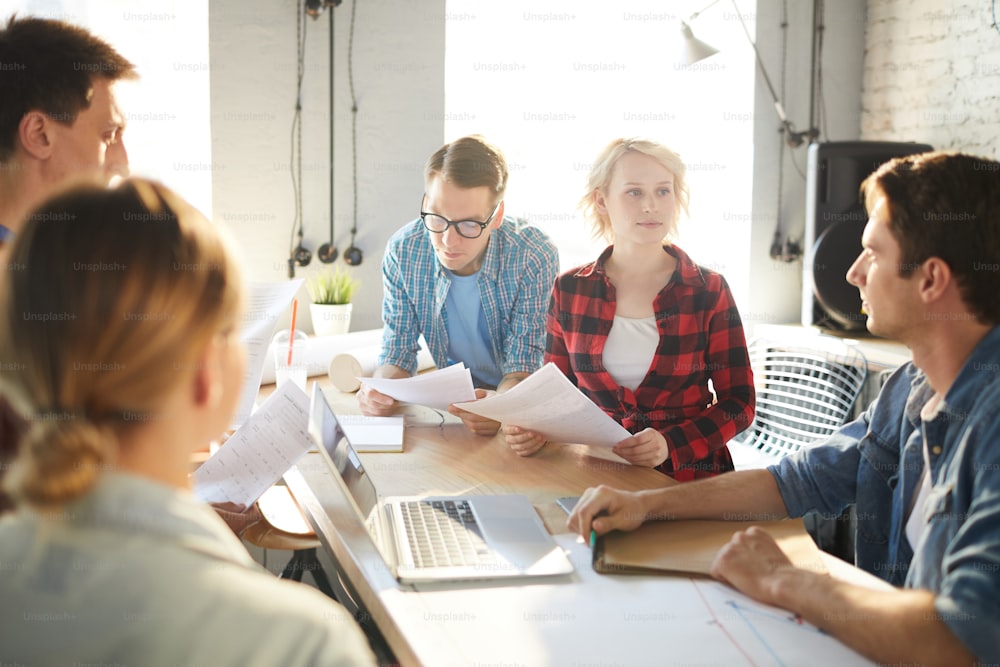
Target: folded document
[(690, 546)]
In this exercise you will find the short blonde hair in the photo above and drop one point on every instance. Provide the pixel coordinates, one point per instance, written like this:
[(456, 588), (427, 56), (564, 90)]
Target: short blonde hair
[(112, 297), (600, 178)]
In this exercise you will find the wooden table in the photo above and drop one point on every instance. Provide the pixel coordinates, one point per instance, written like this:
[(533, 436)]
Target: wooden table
[(583, 618)]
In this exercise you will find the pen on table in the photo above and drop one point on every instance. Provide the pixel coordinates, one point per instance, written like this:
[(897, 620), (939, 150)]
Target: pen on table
[(593, 533)]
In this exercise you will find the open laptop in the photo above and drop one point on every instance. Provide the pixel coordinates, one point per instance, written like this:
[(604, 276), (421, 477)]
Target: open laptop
[(439, 538)]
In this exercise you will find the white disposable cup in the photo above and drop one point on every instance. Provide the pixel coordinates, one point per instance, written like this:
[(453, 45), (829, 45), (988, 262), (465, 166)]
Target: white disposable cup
[(296, 371)]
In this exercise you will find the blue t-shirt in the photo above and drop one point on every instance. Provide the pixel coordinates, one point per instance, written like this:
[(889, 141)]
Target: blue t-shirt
[(468, 333)]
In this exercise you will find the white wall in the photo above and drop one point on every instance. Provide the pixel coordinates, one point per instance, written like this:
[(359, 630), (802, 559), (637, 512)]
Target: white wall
[(932, 74), (775, 286), (166, 108), (929, 74), (399, 72), (399, 80)]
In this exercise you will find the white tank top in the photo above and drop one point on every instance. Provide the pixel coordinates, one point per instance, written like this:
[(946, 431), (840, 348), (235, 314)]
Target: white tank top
[(630, 348)]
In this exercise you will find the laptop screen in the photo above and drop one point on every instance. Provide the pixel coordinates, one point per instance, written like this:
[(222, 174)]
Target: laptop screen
[(325, 428)]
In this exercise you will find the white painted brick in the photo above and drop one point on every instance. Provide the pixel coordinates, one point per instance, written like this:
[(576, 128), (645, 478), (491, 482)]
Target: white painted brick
[(932, 73)]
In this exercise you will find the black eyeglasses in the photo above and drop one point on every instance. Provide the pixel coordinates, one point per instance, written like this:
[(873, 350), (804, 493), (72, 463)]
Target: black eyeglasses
[(470, 229)]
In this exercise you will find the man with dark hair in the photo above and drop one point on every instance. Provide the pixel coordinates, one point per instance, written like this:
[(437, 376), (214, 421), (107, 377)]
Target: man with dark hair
[(475, 284), (59, 119), (922, 465)]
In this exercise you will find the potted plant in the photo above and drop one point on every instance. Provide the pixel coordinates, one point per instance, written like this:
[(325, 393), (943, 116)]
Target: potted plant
[(331, 291)]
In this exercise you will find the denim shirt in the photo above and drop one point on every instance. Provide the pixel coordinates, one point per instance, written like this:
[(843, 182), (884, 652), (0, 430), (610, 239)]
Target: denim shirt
[(876, 463)]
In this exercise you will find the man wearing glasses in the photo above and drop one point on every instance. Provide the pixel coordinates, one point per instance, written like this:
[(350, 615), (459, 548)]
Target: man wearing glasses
[(476, 285)]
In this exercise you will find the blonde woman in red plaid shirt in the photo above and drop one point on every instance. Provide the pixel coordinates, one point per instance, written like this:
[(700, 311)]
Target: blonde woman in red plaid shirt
[(643, 329)]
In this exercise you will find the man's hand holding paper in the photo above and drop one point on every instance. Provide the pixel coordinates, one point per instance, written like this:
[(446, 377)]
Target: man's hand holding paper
[(476, 423), (437, 389), (551, 407)]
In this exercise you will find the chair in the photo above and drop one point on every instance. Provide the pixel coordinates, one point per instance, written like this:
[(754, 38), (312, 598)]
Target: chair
[(804, 393), (283, 527)]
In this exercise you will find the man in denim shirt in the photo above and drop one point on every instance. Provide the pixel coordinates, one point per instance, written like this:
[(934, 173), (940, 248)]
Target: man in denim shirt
[(922, 464), (474, 284)]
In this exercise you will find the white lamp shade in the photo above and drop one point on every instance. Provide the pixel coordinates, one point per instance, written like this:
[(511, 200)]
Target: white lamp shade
[(694, 49)]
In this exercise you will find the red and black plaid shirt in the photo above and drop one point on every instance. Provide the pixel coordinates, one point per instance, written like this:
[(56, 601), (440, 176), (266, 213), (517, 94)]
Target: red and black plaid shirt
[(701, 339)]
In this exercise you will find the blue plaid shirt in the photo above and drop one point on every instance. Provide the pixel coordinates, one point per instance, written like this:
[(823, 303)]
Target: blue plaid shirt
[(515, 283), (876, 463)]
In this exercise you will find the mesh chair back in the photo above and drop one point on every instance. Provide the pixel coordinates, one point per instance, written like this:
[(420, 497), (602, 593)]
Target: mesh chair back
[(804, 393)]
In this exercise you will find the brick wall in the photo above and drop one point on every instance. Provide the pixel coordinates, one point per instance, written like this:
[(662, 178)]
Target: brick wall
[(932, 74)]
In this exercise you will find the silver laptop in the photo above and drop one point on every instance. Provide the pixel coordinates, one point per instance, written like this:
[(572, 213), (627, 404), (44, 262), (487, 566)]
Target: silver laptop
[(439, 538)]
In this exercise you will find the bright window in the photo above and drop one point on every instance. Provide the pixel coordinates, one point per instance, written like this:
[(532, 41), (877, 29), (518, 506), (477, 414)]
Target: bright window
[(552, 83), (168, 135)]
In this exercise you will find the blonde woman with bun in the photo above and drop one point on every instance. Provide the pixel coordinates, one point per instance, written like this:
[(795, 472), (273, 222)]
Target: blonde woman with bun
[(119, 345)]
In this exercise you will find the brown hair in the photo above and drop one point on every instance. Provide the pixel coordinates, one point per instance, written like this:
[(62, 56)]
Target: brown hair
[(946, 205), (113, 296), (470, 162), (49, 66), (600, 178)]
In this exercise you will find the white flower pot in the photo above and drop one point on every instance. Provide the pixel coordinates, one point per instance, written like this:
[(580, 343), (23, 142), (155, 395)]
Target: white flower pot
[(330, 319)]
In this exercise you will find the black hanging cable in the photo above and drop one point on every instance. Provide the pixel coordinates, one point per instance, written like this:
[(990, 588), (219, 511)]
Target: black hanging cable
[(821, 29), (354, 121), (784, 65), (811, 131), (353, 254), (815, 73), (298, 255), (778, 242), (333, 88), (327, 252)]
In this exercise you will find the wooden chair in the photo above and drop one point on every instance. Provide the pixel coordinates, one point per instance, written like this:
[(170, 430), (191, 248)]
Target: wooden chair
[(283, 527)]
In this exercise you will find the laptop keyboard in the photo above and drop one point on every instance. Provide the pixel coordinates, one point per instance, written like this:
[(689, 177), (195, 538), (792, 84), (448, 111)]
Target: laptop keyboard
[(444, 533)]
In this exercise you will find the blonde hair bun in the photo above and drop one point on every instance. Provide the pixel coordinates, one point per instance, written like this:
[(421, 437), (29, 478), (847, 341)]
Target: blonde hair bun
[(62, 457)]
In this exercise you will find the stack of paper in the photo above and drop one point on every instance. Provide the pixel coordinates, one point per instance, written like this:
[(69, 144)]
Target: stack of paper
[(373, 434)]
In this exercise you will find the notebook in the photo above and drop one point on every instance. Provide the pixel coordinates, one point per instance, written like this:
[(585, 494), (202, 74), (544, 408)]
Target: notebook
[(439, 538), (690, 546), (373, 434)]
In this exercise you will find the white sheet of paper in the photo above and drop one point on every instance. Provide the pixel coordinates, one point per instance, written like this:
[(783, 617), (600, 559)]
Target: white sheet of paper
[(373, 434), (437, 389), (549, 404), (260, 452), (265, 303), (575, 620)]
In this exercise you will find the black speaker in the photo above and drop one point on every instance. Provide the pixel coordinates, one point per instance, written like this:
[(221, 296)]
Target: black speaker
[(835, 219)]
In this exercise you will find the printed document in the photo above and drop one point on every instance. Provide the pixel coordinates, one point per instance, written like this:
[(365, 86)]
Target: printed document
[(260, 452), (437, 389), (265, 303), (549, 404)]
